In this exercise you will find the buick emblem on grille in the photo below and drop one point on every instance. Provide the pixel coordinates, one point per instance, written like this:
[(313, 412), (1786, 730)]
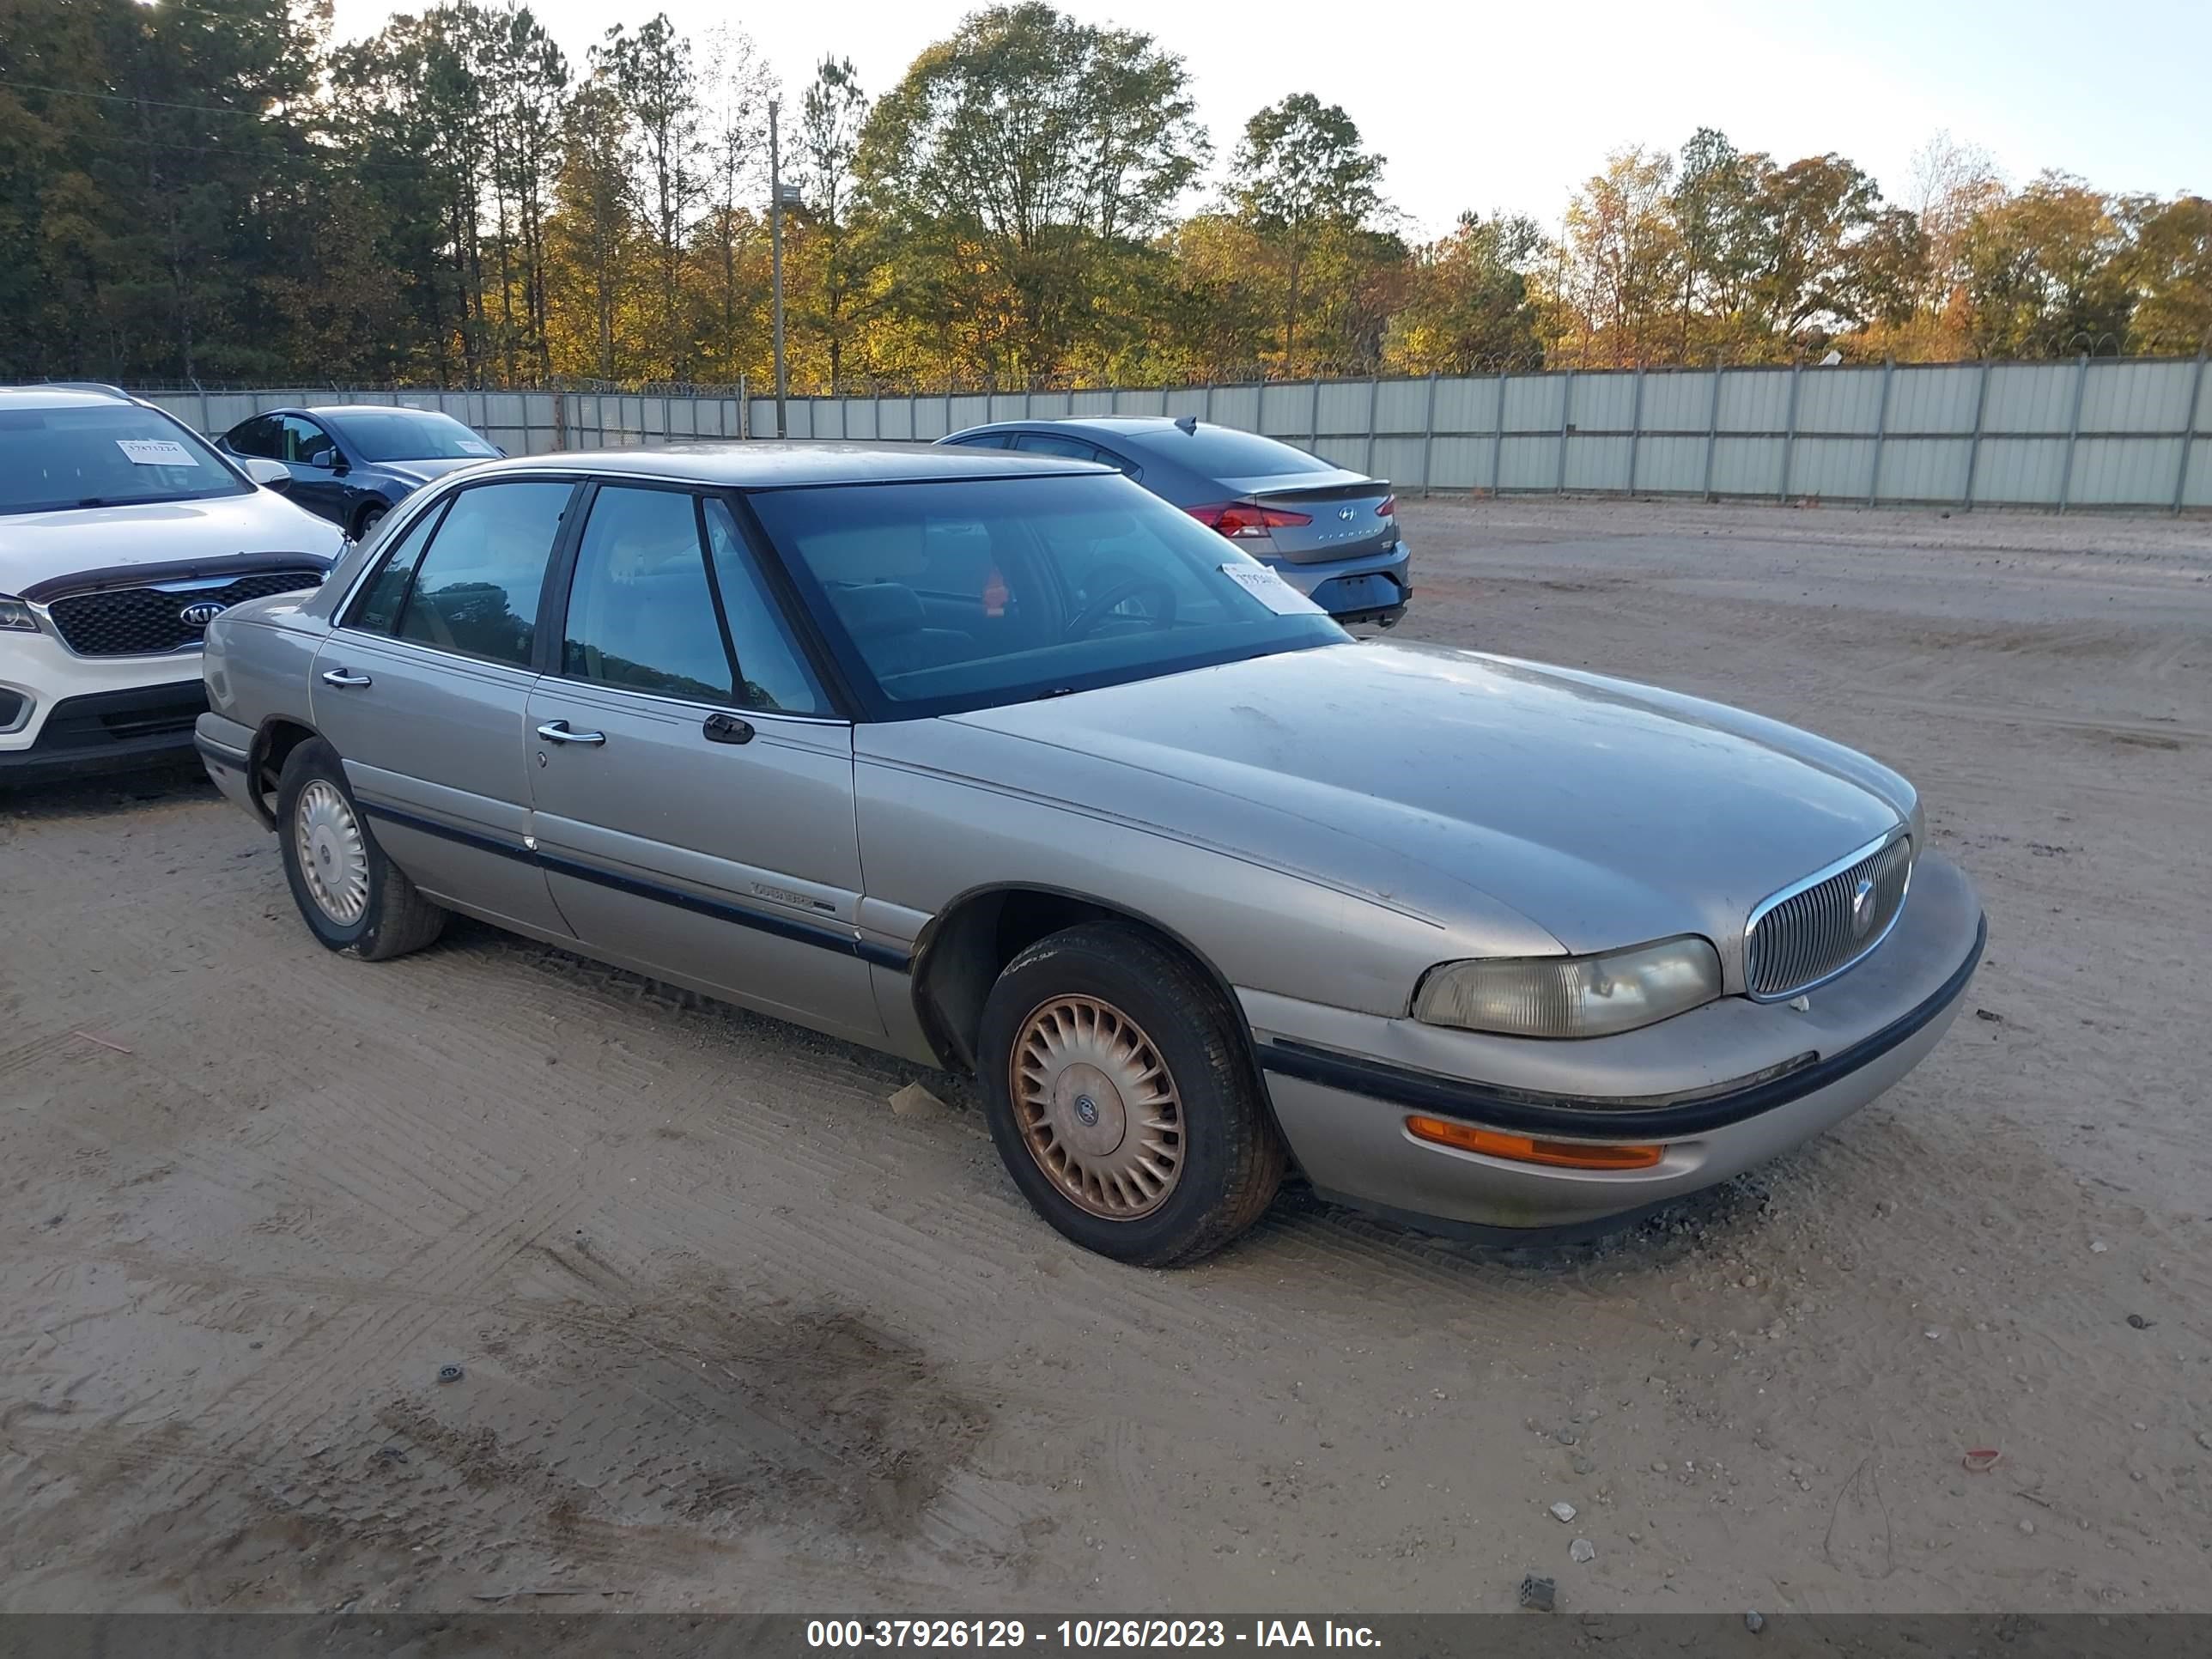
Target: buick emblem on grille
[(200, 614), (1863, 906)]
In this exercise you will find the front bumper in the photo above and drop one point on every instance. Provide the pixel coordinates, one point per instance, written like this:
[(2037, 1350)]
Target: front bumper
[(1373, 587), (1720, 1089), (68, 716)]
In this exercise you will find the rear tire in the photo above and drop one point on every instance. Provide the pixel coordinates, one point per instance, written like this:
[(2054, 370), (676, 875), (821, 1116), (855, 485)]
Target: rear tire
[(1122, 1100), (351, 897)]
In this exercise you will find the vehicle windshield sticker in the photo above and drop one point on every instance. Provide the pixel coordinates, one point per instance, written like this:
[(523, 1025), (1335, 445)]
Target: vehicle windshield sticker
[(1271, 589), (155, 452), (475, 448)]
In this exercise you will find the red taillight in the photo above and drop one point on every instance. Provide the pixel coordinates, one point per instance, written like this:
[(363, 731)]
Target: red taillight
[(1239, 519), (1389, 506)]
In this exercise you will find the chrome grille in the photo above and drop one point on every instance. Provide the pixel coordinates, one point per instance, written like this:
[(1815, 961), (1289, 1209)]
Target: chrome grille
[(127, 621), (1813, 931)]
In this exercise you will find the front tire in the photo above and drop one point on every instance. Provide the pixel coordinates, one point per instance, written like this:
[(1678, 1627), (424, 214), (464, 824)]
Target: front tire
[(371, 516), (1122, 1100), (351, 897)]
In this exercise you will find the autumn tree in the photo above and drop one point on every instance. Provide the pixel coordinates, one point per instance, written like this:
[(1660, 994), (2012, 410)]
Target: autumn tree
[(832, 114), (1015, 160), (1302, 174), (650, 71), (1468, 309), (735, 87), (1620, 258)]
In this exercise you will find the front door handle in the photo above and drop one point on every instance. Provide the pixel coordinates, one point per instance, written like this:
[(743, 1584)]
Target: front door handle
[(727, 728), (558, 732), (343, 676)]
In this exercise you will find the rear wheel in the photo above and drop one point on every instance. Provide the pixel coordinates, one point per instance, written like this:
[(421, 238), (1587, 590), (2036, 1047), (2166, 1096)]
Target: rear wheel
[(1120, 1099), (351, 897)]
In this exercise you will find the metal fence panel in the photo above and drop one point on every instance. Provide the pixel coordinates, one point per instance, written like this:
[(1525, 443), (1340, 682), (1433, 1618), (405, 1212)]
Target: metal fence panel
[(1534, 403), (1467, 405), (1603, 403), (2020, 472), (1676, 400), (1838, 405), (1669, 466), (2114, 471), (1749, 466), (1830, 467), (2031, 397), (1596, 464), (2119, 396), (1934, 398), (1286, 410), (2108, 433), (1925, 469), (1401, 406), (1342, 408)]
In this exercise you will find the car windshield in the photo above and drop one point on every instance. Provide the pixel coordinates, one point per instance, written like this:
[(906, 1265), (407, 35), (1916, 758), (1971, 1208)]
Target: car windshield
[(942, 597), (104, 455), (409, 434), (1222, 452)]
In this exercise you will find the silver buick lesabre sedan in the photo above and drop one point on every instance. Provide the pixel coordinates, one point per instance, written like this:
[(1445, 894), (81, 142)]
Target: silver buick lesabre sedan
[(1002, 764)]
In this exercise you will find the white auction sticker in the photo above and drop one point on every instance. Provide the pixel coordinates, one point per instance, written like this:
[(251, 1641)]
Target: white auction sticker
[(1271, 589), (155, 452)]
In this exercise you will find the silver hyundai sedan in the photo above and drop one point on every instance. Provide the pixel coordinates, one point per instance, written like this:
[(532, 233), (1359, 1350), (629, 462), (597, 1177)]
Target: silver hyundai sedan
[(1002, 764)]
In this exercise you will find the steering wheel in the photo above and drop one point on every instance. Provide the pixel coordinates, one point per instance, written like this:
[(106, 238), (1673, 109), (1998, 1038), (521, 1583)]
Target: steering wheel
[(1098, 610)]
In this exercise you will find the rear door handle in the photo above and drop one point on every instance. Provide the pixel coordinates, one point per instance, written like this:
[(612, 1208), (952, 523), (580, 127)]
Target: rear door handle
[(727, 728), (558, 732), (343, 676)]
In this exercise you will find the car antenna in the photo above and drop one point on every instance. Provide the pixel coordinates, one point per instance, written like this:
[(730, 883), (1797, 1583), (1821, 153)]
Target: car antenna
[(1188, 423)]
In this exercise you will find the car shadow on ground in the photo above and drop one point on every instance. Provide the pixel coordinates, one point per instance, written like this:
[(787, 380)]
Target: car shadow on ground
[(1645, 1243), (180, 781)]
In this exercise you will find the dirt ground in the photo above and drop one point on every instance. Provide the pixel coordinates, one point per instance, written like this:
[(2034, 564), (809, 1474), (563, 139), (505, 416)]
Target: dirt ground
[(734, 1334)]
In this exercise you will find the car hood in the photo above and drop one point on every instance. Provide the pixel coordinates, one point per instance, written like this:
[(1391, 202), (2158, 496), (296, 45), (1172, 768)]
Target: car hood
[(420, 472), (1604, 813), (40, 547)]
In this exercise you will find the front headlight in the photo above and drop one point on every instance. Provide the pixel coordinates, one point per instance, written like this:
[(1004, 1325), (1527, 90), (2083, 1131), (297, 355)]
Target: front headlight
[(14, 613), (1571, 996)]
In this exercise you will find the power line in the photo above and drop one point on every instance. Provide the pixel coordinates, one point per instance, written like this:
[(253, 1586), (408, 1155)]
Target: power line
[(122, 98)]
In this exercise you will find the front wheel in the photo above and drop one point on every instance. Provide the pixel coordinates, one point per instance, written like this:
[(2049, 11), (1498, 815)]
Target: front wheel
[(1121, 1098), (371, 516), (351, 897)]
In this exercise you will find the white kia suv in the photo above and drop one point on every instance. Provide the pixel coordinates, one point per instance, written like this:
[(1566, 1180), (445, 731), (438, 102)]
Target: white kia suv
[(123, 533)]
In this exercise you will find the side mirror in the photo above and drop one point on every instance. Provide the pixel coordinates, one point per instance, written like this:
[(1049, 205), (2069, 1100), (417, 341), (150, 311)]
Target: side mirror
[(270, 475)]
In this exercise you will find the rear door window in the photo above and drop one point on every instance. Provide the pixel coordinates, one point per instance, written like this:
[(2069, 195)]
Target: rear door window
[(641, 613), (476, 591)]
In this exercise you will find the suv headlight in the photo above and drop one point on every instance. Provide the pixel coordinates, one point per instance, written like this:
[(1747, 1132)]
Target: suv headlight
[(14, 613), (1571, 996)]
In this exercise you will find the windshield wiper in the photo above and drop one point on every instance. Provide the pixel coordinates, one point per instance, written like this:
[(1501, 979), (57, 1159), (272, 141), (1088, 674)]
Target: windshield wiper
[(1056, 691)]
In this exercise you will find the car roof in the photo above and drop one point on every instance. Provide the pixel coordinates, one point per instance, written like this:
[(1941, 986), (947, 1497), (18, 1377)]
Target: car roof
[(780, 465), (66, 396), (362, 409)]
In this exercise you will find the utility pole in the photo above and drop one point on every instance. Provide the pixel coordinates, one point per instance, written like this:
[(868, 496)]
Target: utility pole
[(775, 254)]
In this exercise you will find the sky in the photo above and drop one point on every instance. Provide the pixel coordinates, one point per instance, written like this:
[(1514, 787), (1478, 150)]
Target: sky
[(1511, 107)]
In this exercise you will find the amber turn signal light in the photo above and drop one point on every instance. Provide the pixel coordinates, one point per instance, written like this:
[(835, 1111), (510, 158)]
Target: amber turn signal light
[(1557, 1154)]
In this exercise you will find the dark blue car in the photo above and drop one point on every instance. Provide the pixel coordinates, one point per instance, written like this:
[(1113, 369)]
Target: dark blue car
[(354, 463)]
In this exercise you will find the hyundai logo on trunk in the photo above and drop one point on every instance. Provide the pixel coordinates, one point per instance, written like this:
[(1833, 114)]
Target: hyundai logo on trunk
[(200, 614)]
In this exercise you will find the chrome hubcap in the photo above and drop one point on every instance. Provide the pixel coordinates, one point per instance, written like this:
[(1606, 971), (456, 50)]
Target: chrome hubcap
[(333, 860), (1097, 1109)]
